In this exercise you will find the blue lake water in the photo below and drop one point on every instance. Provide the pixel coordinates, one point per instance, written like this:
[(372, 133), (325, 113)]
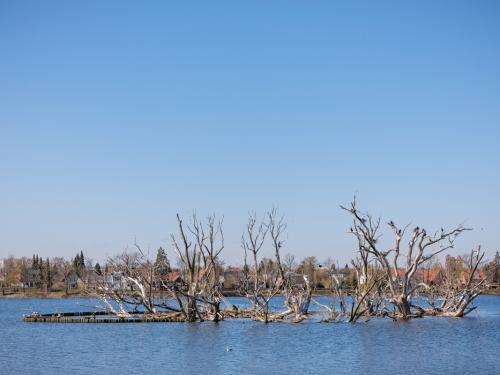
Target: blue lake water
[(423, 346)]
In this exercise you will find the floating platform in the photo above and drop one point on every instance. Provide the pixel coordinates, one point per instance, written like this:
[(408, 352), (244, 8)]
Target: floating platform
[(101, 317)]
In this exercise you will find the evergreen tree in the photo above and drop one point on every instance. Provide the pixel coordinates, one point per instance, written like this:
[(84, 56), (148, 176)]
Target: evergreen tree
[(162, 264), (82, 260), (97, 269), (76, 261), (35, 276), (40, 274), (48, 275), (79, 263)]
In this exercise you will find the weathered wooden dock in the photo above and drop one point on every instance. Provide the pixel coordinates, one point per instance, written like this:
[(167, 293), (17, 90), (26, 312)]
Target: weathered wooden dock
[(100, 317)]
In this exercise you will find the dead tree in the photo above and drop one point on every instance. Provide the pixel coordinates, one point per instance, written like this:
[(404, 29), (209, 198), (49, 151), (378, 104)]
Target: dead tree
[(421, 247), (298, 297), (252, 242), (131, 284), (277, 226), (210, 241), (189, 257), (349, 307), (366, 277), (457, 298), (367, 299), (363, 300), (297, 293), (199, 261)]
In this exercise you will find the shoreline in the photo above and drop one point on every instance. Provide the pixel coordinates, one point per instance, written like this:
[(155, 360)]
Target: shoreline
[(62, 295)]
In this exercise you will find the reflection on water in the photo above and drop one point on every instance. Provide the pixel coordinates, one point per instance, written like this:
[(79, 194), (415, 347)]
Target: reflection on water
[(424, 346)]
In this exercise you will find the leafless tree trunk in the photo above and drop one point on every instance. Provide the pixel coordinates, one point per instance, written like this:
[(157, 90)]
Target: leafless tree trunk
[(384, 275), (200, 264), (131, 283), (457, 298), (252, 241), (400, 280), (297, 297), (189, 257), (210, 241), (277, 227)]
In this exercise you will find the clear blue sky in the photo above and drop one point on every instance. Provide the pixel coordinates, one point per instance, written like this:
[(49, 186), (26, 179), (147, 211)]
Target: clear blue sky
[(116, 115)]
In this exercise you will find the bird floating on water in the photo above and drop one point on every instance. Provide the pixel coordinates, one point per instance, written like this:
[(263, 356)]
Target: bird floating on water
[(228, 349)]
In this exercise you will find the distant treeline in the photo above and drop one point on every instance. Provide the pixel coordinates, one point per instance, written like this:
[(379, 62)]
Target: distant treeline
[(79, 273)]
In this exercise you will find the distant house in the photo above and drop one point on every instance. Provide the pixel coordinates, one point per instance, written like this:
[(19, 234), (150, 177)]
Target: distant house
[(90, 280), (296, 280), (479, 276), (430, 276), (116, 280), (492, 285), (73, 281), (174, 279), (333, 275), (341, 274), (30, 277)]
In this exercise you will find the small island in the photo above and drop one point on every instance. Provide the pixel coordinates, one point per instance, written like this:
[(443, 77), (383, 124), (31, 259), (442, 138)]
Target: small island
[(399, 282)]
